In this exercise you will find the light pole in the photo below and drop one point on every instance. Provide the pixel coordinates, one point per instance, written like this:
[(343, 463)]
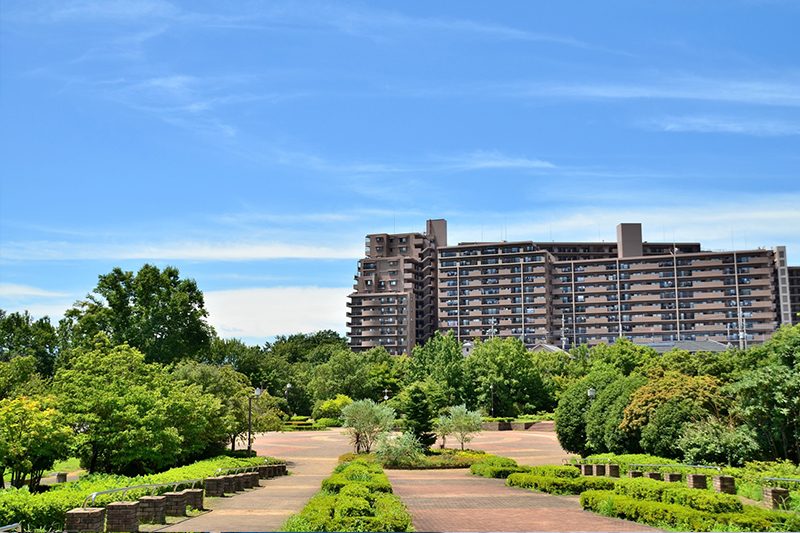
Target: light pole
[(286, 391), (385, 394), (257, 392), (491, 391)]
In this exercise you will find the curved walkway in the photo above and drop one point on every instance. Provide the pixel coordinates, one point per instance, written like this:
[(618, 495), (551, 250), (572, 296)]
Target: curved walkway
[(311, 456)]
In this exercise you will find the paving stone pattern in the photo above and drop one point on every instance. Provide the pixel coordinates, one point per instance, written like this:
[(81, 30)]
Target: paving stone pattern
[(311, 457)]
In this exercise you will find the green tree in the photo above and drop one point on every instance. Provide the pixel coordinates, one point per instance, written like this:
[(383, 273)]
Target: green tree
[(235, 395), (768, 400), (18, 377), (464, 423), (32, 437), (603, 432), (442, 428), (504, 373), (623, 355), (418, 414), (666, 424), (21, 336), (365, 420), (440, 359), (331, 408), (153, 311), (571, 413), (711, 441), (130, 417), (312, 347)]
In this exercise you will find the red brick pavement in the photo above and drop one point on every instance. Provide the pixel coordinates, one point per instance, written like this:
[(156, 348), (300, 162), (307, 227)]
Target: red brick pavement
[(454, 500)]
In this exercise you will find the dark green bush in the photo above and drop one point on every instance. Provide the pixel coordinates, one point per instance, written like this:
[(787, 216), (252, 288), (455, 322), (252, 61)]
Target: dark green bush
[(327, 423), (559, 485)]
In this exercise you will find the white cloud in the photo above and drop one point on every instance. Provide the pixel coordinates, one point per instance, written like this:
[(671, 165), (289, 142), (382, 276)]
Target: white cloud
[(266, 312), (189, 251), (711, 124), (13, 290)]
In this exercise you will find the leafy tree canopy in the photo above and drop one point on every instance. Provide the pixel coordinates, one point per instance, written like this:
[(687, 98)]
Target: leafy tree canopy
[(21, 336), (153, 311)]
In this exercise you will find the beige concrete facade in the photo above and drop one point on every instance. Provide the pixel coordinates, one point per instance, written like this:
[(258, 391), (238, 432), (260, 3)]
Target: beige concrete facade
[(571, 294), (393, 303)]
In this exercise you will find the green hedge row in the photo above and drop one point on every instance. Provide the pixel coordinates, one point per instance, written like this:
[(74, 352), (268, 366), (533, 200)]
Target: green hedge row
[(357, 497), (660, 514), (701, 500), (496, 467), (48, 509), (559, 485)]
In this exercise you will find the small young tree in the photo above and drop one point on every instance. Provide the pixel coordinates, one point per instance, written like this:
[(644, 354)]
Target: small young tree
[(464, 423), (419, 415), (442, 427), (402, 450), (365, 420)]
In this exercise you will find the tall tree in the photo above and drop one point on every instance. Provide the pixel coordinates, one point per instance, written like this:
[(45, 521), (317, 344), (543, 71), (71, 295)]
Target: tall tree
[(21, 336), (315, 347), (153, 310)]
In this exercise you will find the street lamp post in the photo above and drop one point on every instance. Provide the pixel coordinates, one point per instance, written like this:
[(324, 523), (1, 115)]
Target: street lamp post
[(491, 391), (257, 393), (385, 394), (286, 391)]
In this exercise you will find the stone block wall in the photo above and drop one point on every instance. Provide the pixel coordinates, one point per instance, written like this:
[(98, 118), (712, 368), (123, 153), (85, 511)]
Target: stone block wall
[(153, 509)]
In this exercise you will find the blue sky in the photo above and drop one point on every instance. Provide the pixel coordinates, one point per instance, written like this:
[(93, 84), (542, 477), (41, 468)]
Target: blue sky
[(253, 144)]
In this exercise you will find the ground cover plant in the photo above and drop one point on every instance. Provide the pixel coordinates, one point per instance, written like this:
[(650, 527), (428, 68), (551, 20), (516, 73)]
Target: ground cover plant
[(47, 510), (356, 497)]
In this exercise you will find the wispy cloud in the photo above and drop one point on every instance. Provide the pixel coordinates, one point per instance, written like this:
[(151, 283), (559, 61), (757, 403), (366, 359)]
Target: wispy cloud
[(713, 124), (180, 250), (767, 89), (266, 312), (12, 290)]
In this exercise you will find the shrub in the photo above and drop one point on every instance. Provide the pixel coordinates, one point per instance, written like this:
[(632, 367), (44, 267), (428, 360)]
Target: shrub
[(610, 503), (496, 467), (354, 498), (559, 485), (464, 423), (403, 450), (331, 408), (365, 420), (554, 471), (323, 423), (47, 510), (711, 441)]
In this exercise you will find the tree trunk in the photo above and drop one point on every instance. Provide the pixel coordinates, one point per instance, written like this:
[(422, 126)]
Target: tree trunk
[(233, 443)]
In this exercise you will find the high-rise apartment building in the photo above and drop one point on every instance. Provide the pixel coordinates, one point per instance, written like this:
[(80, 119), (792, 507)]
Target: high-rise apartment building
[(587, 293), (394, 301)]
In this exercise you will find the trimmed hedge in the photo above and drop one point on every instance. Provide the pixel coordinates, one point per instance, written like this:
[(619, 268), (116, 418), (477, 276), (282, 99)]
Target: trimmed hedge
[(559, 485), (356, 497), (701, 500), (48, 509), (555, 471), (496, 467), (659, 514)]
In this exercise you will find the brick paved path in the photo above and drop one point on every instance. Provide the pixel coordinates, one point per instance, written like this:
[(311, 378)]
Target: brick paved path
[(454, 500), (311, 456)]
